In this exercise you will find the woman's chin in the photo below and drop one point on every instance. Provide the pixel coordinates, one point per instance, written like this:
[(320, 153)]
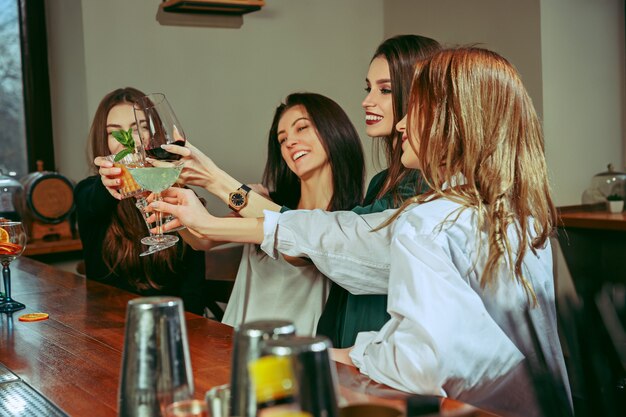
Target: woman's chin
[(409, 162), (376, 132)]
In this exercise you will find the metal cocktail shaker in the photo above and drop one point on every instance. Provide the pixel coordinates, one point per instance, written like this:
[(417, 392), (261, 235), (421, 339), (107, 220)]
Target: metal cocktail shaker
[(156, 368), (315, 375), (248, 341)]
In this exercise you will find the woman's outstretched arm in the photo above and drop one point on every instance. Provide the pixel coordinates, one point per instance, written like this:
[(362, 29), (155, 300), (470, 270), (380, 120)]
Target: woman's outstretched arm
[(201, 171), (189, 211), (346, 247)]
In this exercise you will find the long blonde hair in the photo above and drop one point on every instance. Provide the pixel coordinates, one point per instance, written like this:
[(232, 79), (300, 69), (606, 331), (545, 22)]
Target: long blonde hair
[(470, 118)]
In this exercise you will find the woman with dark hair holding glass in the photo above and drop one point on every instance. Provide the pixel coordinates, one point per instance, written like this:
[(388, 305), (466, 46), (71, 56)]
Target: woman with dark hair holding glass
[(111, 228), (315, 160), (467, 265), (387, 84)]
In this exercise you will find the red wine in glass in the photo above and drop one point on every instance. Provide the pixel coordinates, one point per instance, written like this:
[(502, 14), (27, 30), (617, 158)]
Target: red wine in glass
[(161, 154)]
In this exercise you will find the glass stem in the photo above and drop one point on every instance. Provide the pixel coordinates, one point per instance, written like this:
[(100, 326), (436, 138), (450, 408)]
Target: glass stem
[(159, 218), (6, 277), (141, 205)]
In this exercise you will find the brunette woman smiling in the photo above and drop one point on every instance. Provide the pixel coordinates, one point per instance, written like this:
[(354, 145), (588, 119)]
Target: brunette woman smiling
[(111, 228)]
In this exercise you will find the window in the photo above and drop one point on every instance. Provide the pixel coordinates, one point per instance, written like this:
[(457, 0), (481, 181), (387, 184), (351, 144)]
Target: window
[(25, 117), (13, 157)]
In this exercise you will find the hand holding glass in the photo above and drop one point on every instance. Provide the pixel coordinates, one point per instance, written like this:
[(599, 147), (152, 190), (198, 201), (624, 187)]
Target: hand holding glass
[(157, 125)]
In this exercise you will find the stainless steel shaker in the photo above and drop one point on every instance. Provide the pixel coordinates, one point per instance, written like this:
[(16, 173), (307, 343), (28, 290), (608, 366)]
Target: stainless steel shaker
[(156, 367), (248, 341), (315, 374)]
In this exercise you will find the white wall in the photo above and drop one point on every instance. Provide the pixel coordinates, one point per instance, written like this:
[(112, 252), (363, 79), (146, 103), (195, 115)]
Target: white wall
[(583, 88), (570, 54), (509, 27), (223, 83)]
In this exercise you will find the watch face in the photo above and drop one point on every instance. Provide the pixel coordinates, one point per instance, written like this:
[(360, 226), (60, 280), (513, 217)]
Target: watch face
[(237, 199)]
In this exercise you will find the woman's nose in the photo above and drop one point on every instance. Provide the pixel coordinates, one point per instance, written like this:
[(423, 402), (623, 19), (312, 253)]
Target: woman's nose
[(367, 101), (401, 125), (291, 140)]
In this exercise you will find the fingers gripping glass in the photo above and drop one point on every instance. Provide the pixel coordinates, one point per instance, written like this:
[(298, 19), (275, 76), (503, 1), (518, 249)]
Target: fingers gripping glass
[(141, 205), (157, 125)]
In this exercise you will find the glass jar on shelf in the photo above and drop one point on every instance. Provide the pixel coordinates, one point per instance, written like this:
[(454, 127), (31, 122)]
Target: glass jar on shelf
[(605, 184), (9, 187)]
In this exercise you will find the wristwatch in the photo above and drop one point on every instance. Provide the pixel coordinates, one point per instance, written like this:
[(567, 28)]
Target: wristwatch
[(238, 198)]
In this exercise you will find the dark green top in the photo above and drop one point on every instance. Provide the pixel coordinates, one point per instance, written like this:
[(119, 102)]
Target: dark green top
[(345, 314)]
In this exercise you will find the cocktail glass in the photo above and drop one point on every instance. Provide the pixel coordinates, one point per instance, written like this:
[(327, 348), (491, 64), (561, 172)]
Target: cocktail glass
[(12, 244), (141, 205), (156, 180), (129, 187)]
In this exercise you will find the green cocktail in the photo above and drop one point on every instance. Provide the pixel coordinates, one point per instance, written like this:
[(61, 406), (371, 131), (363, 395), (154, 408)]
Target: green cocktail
[(157, 179)]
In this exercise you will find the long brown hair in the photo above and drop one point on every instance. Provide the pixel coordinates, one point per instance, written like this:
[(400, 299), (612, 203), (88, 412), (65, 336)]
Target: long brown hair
[(341, 143), (121, 247), (402, 54), (471, 118)]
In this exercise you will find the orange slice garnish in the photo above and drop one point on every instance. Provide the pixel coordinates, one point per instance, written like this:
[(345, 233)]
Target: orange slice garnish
[(4, 235), (8, 248), (33, 317)]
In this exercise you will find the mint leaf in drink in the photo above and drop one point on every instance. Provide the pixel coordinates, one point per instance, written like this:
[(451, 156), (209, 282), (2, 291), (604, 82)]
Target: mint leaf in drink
[(126, 139), (121, 154)]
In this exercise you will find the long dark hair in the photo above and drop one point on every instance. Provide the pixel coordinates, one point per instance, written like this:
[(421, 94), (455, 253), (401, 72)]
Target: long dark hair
[(401, 53), (121, 248), (341, 143)]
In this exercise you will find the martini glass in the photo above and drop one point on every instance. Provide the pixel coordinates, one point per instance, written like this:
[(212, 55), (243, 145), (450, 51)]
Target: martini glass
[(141, 205), (12, 244), (157, 179)]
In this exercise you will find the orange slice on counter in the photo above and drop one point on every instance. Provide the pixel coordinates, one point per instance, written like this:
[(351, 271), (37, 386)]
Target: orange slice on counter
[(4, 235), (33, 317)]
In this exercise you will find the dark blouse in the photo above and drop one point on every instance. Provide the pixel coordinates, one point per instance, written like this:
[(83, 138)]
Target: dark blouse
[(94, 209), (345, 314)]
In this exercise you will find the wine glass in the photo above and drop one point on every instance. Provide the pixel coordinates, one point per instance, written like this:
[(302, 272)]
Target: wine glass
[(12, 244), (157, 125)]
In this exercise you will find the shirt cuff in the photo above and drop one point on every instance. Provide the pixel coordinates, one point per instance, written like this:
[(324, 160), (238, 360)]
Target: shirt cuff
[(270, 228), (357, 354)]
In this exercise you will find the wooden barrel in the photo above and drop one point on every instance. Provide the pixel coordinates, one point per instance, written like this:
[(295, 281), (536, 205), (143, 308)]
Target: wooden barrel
[(47, 197)]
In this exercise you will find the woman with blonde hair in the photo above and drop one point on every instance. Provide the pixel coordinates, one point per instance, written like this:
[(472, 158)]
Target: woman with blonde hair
[(458, 262)]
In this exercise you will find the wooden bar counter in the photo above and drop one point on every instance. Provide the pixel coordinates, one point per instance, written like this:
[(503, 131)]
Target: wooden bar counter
[(592, 217), (593, 242), (74, 357)]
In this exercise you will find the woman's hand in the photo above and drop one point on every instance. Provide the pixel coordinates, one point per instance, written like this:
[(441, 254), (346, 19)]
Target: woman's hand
[(186, 206), (341, 355), (111, 176), (199, 169), (189, 211)]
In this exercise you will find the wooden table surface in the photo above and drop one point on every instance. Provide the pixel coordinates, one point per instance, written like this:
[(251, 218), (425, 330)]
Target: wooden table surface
[(74, 357), (591, 216)]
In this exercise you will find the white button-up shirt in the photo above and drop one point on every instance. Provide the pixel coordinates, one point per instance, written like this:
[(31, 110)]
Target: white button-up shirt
[(447, 336)]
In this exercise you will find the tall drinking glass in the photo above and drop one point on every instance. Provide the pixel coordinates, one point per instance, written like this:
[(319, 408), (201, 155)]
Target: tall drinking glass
[(12, 244), (158, 125)]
